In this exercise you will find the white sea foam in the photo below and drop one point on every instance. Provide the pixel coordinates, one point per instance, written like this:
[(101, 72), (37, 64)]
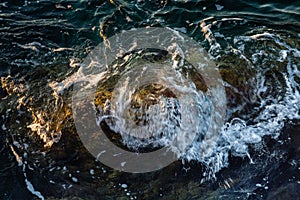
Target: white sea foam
[(219, 7), (235, 136), (31, 188), (19, 159)]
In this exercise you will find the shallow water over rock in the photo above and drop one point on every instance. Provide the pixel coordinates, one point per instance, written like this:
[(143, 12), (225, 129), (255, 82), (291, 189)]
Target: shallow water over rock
[(255, 47)]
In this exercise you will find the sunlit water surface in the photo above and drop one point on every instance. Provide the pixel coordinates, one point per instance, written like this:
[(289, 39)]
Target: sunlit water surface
[(255, 154)]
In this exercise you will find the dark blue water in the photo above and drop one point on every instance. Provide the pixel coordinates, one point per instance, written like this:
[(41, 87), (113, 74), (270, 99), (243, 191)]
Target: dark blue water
[(256, 48)]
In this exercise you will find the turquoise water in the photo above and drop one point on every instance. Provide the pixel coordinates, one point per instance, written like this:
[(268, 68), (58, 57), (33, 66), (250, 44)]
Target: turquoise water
[(255, 46)]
